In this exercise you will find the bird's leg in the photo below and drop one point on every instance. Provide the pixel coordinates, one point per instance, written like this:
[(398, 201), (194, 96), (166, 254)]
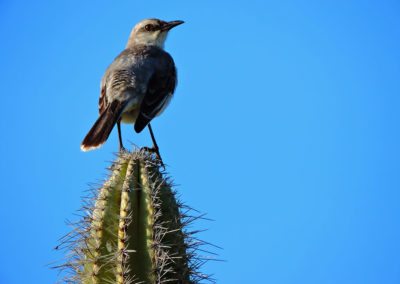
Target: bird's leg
[(155, 148), (121, 146)]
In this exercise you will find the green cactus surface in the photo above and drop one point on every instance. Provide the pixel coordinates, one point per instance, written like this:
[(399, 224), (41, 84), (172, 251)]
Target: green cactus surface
[(134, 231)]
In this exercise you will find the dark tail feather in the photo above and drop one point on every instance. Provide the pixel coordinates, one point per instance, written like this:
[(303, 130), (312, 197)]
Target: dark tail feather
[(103, 126), (141, 122)]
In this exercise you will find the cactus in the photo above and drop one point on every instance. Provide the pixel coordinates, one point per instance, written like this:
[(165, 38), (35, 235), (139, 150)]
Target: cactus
[(135, 230)]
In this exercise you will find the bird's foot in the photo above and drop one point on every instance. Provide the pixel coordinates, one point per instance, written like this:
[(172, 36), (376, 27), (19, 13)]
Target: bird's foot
[(122, 149), (148, 149), (155, 151)]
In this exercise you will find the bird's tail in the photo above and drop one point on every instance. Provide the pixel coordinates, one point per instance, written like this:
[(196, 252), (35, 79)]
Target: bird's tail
[(101, 129)]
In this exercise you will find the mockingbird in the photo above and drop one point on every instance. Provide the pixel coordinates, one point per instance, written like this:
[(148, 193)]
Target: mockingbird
[(137, 86)]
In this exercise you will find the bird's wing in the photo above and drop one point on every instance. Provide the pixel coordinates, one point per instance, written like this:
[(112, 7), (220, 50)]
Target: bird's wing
[(110, 78), (103, 99), (160, 89)]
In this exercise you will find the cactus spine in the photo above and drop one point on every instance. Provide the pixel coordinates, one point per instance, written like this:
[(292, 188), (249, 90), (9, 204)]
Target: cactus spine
[(134, 231)]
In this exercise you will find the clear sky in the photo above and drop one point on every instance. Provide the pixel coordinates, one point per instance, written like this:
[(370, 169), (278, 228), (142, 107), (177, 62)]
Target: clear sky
[(284, 130)]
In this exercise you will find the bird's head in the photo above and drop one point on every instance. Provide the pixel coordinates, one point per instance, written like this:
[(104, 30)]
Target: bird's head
[(151, 32)]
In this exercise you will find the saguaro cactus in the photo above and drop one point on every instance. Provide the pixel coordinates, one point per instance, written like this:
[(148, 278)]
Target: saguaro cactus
[(134, 231)]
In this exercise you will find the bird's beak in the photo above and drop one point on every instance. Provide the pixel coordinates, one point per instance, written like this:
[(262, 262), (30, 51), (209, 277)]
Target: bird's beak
[(169, 25)]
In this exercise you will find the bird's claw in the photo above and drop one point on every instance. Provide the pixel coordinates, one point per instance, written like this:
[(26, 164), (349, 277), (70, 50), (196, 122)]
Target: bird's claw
[(148, 149), (155, 151)]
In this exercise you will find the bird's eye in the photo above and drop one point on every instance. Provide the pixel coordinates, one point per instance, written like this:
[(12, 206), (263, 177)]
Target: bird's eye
[(148, 27)]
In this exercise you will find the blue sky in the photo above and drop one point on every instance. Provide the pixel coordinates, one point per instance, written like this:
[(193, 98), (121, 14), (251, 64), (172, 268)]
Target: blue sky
[(284, 130)]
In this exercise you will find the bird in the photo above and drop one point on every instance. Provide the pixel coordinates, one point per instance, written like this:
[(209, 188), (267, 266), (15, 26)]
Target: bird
[(137, 86)]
